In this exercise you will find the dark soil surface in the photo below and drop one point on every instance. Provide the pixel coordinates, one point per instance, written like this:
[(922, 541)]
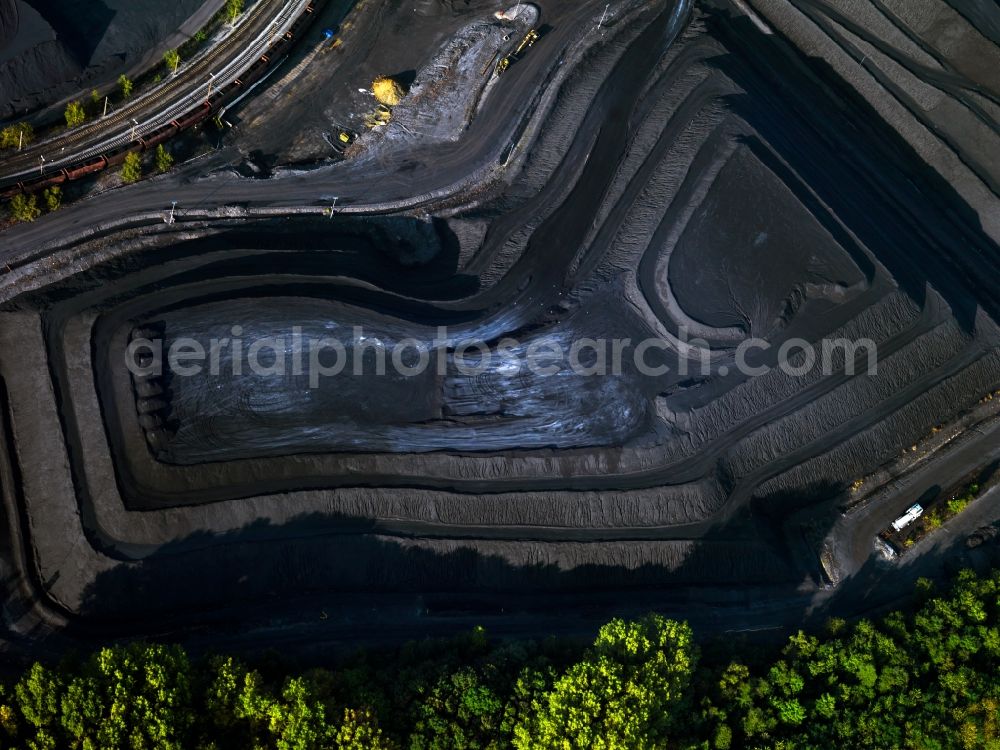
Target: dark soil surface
[(690, 174), (57, 48), (751, 250)]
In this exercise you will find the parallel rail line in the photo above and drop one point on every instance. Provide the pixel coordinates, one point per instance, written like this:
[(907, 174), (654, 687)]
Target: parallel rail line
[(178, 104)]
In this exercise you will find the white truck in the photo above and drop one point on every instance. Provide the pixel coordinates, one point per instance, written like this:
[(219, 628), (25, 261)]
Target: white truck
[(912, 514)]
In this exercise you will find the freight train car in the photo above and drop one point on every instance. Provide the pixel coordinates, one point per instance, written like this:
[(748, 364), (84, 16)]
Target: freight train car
[(89, 168), (162, 134), (56, 179)]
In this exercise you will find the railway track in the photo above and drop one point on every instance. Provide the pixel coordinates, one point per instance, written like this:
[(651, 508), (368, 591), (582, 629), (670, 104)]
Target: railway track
[(218, 66)]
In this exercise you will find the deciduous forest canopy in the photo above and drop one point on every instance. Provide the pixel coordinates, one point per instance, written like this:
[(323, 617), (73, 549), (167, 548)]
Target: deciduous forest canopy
[(926, 678)]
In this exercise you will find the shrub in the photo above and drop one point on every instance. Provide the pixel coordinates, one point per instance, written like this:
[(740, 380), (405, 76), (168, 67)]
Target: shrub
[(16, 135), (24, 208), (233, 9), (172, 58), (52, 197), (957, 504), (74, 114), (132, 168), (163, 159)]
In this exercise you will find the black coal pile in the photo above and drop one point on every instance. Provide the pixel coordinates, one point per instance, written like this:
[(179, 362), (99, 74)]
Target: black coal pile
[(51, 49)]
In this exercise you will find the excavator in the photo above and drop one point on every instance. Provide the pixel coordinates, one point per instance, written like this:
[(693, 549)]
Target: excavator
[(342, 140), (529, 39)]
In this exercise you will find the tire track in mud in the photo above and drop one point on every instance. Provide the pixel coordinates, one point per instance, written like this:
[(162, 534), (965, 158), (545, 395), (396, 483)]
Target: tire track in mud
[(906, 332), (669, 475), (556, 264), (709, 90)]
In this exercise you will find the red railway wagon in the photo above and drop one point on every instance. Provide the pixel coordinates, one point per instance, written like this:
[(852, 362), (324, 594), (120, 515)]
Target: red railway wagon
[(118, 155), (56, 179), (254, 72), (90, 167), (226, 92), (193, 118), (216, 99), (10, 192), (160, 135)]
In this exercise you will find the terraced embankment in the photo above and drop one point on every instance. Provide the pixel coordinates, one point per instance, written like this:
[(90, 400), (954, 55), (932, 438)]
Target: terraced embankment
[(688, 176)]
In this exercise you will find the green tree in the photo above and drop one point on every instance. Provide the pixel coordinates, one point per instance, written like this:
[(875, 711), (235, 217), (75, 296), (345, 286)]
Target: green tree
[(163, 159), (16, 135), (24, 207), (74, 114), (298, 720), (172, 58), (52, 197), (226, 678), (957, 504), (9, 728), (359, 730), (39, 693), (241, 706), (527, 697), (925, 680), (233, 9), (125, 84), (625, 694), (462, 711), (295, 719), (95, 96), (126, 697), (132, 168)]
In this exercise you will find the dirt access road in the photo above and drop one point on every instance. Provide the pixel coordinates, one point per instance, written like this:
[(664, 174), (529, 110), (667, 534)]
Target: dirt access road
[(443, 168)]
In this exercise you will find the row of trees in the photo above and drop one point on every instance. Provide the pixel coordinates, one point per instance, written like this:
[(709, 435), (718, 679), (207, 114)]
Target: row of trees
[(75, 112), (21, 134), (27, 207), (927, 679), (132, 167)]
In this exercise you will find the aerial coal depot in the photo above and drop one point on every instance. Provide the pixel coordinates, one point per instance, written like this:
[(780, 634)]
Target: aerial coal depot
[(584, 309)]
